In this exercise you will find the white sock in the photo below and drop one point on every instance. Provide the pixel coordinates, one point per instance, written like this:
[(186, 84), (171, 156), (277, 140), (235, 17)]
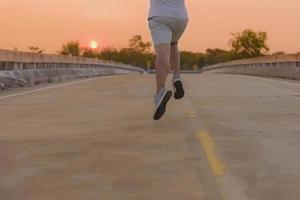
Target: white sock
[(176, 76), (161, 91)]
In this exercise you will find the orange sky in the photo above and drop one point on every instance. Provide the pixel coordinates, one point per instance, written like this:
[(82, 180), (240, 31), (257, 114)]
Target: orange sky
[(50, 23)]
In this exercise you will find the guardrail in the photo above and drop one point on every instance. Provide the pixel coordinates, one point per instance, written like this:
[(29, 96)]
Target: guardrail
[(281, 66), (21, 68), (15, 60)]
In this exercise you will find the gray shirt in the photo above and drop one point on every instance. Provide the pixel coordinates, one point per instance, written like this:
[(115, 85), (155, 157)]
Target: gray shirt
[(168, 8)]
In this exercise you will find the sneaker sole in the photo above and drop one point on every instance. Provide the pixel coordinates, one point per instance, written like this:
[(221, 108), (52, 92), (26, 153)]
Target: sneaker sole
[(179, 91), (161, 108)]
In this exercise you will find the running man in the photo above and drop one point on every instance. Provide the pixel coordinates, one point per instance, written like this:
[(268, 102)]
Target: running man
[(167, 22)]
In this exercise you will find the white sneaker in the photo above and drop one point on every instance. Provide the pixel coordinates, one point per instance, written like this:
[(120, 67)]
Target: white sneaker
[(160, 100)]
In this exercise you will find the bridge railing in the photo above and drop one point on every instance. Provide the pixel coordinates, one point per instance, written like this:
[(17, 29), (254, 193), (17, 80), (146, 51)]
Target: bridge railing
[(15, 60), (18, 69), (280, 66)]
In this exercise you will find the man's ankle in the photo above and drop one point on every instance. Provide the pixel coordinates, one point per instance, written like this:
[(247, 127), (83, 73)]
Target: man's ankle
[(161, 90), (176, 76)]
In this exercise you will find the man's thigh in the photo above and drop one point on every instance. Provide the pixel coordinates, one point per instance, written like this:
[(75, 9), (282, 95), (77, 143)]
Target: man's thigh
[(161, 34)]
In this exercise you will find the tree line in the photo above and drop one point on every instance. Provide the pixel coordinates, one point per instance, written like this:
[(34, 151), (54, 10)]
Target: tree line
[(245, 44)]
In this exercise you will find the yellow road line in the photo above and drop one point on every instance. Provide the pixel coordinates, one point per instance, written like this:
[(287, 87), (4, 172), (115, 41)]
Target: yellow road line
[(209, 146), (192, 114)]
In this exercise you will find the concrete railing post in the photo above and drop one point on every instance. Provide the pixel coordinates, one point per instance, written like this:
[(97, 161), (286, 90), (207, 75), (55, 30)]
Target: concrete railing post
[(15, 66)]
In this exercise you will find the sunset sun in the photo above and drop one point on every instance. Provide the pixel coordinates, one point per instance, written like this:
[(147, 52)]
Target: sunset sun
[(94, 44)]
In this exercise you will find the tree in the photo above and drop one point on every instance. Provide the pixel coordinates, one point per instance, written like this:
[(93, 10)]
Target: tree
[(136, 44), (278, 53), (249, 44), (189, 59), (88, 53), (214, 56), (109, 53), (71, 48), (137, 53), (202, 60), (36, 50)]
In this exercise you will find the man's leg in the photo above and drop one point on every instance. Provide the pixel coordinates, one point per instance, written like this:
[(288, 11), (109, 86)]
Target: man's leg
[(175, 63), (175, 59), (162, 64), (162, 69)]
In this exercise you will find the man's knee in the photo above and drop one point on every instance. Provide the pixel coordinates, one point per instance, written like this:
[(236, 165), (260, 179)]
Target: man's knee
[(174, 44), (162, 49)]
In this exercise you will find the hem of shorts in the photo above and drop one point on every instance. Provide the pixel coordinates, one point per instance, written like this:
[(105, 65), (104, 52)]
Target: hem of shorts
[(155, 44), (182, 18)]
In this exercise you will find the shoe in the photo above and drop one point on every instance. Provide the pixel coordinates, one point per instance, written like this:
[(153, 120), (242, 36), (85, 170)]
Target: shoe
[(160, 100), (178, 89)]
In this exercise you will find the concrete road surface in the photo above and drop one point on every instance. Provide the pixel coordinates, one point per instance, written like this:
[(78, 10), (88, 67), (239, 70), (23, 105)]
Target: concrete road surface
[(232, 138)]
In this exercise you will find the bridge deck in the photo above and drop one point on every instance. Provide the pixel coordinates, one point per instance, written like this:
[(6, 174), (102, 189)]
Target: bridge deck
[(233, 137)]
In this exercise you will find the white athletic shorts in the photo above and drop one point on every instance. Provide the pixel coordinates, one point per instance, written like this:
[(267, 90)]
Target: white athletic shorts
[(167, 30)]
